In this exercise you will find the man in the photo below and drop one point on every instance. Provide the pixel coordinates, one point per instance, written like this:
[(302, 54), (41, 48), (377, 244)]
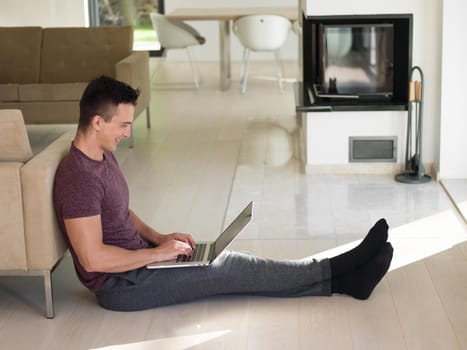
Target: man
[(111, 245)]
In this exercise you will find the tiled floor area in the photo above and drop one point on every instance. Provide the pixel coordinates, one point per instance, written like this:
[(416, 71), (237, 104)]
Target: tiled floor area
[(207, 154)]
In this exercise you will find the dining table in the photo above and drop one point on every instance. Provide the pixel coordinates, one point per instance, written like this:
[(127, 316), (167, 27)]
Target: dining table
[(225, 16)]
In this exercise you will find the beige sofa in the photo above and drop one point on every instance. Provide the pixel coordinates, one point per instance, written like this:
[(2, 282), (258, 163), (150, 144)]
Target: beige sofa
[(44, 70), (32, 244)]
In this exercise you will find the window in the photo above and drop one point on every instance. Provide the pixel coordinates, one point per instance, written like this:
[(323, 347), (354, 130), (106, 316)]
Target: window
[(129, 12)]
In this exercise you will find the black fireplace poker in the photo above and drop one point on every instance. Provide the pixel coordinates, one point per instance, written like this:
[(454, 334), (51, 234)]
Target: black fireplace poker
[(414, 172)]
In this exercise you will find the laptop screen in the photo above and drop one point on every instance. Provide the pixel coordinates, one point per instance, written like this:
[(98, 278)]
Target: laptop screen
[(233, 229)]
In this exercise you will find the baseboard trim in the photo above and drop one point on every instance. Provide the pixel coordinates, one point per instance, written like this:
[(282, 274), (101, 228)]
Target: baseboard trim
[(359, 168)]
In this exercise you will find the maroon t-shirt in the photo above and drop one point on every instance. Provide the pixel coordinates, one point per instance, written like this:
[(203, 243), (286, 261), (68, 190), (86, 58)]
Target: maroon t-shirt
[(85, 187)]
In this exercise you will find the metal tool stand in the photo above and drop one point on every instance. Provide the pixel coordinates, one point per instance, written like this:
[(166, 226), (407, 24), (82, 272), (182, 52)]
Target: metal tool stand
[(414, 172)]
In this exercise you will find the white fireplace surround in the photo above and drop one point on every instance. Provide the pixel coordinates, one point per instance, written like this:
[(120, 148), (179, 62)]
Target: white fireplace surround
[(437, 26), (327, 133)]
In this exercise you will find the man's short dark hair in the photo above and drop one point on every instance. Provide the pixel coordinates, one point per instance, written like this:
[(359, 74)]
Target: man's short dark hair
[(101, 96)]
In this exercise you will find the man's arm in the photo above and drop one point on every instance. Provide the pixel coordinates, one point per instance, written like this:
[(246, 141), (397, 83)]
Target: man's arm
[(85, 235)]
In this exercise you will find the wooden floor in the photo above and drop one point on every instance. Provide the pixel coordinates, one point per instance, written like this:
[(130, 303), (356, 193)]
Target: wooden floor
[(209, 152)]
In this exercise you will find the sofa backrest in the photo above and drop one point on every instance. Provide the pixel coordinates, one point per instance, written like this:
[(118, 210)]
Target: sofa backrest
[(71, 55), (20, 54)]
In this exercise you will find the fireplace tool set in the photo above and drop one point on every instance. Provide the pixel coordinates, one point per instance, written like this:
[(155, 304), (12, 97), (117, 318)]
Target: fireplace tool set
[(414, 171)]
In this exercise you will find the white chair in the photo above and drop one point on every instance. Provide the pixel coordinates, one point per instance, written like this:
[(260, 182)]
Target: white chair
[(178, 35), (262, 33)]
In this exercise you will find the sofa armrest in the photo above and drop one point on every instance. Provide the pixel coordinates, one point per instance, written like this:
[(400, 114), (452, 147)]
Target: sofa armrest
[(44, 241), (12, 247), (134, 70)]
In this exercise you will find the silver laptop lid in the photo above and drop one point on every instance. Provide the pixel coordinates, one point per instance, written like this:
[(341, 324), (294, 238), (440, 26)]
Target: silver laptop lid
[(233, 230)]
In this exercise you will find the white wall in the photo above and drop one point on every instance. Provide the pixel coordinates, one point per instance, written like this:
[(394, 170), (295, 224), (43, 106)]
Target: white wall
[(453, 124), (43, 13), (210, 30), (426, 54)]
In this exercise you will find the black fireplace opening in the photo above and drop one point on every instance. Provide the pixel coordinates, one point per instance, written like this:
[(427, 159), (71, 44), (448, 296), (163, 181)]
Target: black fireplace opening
[(353, 60)]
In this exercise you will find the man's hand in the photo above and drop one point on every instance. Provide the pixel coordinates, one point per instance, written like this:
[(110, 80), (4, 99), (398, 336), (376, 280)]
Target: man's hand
[(182, 237), (174, 244)]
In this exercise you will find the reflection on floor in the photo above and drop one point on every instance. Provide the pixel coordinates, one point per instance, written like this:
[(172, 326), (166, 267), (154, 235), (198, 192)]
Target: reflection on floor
[(209, 151)]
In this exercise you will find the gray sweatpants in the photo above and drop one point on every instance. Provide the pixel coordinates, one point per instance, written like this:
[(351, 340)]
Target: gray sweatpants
[(231, 273)]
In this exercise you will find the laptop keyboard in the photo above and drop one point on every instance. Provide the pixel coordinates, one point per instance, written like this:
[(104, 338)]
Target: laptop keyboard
[(197, 255)]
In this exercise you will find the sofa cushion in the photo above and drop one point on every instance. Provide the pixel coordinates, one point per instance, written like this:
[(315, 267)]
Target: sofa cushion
[(20, 62), (14, 142), (9, 92), (51, 92), (82, 54)]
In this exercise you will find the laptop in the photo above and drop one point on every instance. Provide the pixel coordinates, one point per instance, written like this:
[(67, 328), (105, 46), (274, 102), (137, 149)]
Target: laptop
[(206, 252)]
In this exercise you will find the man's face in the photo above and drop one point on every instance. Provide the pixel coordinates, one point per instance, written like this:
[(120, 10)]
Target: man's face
[(111, 132)]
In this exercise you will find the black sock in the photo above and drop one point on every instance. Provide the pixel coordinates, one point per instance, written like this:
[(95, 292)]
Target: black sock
[(361, 282), (371, 244)]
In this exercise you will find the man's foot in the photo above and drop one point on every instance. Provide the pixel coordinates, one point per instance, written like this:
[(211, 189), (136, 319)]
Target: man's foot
[(367, 249), (361, 282)]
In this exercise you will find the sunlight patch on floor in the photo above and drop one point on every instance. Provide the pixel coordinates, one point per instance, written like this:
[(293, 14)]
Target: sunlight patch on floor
[(417, 240), (174, 343)]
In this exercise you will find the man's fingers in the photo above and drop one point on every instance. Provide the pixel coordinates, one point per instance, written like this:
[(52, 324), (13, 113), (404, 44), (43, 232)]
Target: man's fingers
[(184, 247)]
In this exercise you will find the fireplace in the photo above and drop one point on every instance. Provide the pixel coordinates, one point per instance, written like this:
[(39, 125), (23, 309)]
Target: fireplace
[(359, 61)]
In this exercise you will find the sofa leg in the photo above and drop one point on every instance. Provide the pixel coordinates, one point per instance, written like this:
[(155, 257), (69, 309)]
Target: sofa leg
[(49, 301), (148, 118)]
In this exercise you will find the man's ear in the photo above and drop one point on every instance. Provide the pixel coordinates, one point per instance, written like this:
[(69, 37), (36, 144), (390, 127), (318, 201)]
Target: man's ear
[(96, 122)]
